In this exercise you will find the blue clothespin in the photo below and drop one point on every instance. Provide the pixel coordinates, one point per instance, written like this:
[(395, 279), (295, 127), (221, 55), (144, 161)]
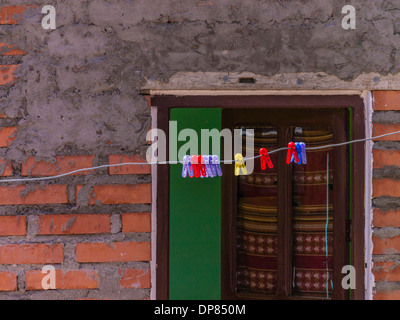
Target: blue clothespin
[(217, 165), (187, 167), (303, 153), (298, 151)]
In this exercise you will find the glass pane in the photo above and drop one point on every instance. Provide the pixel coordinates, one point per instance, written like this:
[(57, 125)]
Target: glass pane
[(312, 221), (257, 218)]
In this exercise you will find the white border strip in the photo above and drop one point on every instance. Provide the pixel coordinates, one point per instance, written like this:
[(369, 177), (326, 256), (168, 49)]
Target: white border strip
[(368, 245), (153, 240)]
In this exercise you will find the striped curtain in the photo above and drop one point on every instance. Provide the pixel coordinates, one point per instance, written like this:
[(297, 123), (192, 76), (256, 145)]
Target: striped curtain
[(309, 217), (257, 241), (257, 238)]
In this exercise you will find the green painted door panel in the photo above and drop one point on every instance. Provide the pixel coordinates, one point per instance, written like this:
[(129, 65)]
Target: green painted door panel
[(195, 219)]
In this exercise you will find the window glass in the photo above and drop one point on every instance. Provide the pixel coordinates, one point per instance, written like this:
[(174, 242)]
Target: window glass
[(312, 267), (257, 218)]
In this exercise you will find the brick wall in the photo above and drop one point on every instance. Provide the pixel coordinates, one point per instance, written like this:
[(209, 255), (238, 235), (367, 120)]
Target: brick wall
[(386, 196), (93, 226), (101, 249)]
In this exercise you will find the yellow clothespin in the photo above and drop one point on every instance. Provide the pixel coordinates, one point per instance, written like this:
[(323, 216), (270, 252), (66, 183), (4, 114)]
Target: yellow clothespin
[(239, 164)]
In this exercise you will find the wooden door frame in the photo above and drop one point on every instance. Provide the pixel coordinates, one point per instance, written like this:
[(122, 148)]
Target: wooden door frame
[(165, 103)]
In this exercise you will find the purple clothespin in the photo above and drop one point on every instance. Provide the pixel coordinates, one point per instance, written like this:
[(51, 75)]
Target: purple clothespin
[(217, 165), (303, 153), (208, 166), (212, 166), (187, 167)]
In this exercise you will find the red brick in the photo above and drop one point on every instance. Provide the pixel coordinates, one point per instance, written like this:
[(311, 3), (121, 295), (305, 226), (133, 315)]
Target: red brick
[(7, 73), (12, 225), (8, 281), (387, 295), (8, 170), (119, 194), (10, 50), (386, 100), (15, 195), (128, 169), (74, 224), (386, 245), (135, 278), (115, 252), (136, 222), (380, 129), (12, 14), (37, 253), (7, 135), (72, 279), (385, 187), (387, 271), (390, 218), (65, 164), (386, 158)]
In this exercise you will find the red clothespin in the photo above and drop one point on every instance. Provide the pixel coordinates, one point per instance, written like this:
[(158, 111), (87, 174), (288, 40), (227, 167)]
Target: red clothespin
[(265, 159), (196, 166), (292, 151)]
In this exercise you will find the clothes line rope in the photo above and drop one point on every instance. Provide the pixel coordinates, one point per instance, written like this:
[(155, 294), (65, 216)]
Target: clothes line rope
[(180, 162), (321, 147)]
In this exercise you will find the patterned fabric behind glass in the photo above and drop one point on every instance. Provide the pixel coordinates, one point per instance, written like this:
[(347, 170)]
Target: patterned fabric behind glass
[(257, 219), (309, 216)]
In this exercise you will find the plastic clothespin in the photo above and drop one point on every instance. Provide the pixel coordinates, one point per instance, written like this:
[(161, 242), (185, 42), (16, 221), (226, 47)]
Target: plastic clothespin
[(265, 159), (239, 164), (202, 166), (208, 165), (212, 166), (216, 165), (292, 152), (303, 153), (298, 150), (196, 166), (187, 167)]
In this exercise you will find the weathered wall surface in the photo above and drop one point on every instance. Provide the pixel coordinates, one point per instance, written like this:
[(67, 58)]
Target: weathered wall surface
[(69, 100), (77, 87), (73, 92)]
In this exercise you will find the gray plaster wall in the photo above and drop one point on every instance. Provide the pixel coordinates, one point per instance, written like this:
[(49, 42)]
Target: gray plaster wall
[(79, 83), (78, 87)]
